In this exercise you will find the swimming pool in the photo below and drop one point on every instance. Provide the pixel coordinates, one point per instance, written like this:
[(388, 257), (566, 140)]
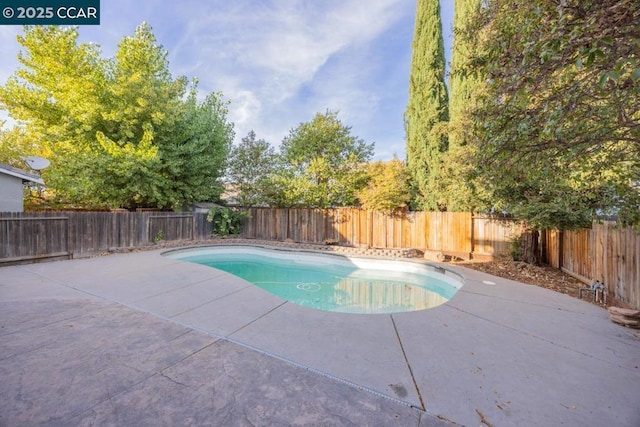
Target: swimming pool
[(332, 282)]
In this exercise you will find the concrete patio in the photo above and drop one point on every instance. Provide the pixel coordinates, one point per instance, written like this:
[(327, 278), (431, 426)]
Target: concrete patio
[(141, 339)]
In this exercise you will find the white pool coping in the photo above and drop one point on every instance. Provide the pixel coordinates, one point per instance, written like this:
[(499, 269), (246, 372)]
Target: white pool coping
[(322, 258)]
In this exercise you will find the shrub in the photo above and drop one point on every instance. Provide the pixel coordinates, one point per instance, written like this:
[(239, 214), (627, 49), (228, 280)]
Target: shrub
[(514, 249), (226, 221)]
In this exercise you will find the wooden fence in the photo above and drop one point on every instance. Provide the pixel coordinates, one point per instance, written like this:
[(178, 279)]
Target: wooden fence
[(34, 235), (604, 252), (453, 233)]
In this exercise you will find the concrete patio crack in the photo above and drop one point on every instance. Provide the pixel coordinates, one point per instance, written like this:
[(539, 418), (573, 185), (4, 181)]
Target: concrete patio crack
[(404, 354)]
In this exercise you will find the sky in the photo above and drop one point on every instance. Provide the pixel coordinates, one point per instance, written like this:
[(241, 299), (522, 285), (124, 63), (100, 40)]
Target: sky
[(278, 62)]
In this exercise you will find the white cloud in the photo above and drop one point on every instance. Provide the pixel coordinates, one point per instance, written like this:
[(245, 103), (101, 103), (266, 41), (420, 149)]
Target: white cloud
[(246, 106), (281, 62)]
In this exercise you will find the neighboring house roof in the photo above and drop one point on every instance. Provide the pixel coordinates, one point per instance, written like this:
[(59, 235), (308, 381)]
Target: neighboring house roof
[(19, 173)]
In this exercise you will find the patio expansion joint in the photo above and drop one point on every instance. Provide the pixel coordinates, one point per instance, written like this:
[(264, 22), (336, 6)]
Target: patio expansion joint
[(55, 322), (322, 373), (227, 338), (258, 318), (179, 288), (219, 297), (525, 302), (406, 359), (545, 340), (193, 353), (70, 286)]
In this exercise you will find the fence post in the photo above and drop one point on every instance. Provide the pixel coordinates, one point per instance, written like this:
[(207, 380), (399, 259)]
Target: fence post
[(472, 237), (286, 232), (70, 245), (560, 249)]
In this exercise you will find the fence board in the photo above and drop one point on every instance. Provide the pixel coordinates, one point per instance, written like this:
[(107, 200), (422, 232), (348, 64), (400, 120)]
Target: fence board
[(494, 236), (34, 235), (553, 248), (605, 252), (37, 237)]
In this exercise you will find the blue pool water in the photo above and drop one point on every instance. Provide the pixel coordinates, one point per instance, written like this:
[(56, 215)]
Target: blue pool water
[(329, 282)]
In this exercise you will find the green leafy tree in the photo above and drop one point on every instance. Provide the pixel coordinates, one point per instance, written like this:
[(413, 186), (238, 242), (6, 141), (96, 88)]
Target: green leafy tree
[(427, 114), (121, 132), (323, 165), (559, 125), (249, 167), (14, 144), (464, 86), (55, 97), (194, 153), (388, 187)]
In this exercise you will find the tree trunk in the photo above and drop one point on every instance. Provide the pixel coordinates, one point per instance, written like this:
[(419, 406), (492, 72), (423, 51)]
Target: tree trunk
[(530, 247)]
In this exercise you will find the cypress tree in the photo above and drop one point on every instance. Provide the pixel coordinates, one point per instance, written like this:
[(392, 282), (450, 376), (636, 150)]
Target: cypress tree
[(463, 86), (461, 82), (427, 112)]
